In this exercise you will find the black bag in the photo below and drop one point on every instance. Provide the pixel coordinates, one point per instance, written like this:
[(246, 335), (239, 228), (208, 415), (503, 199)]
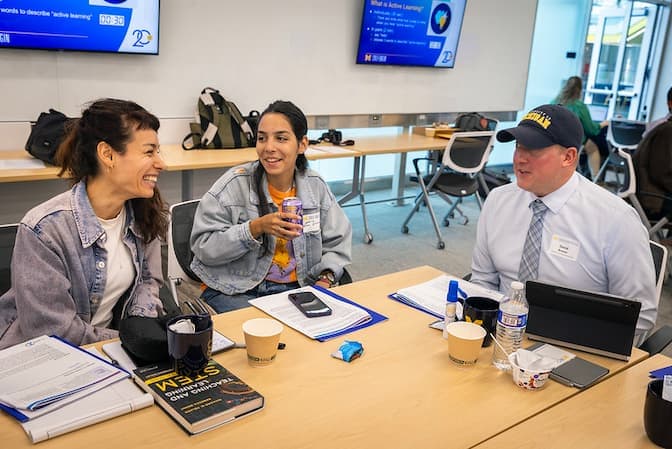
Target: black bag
[(492, 179), (46, 135), (472, 121), (221, 125)]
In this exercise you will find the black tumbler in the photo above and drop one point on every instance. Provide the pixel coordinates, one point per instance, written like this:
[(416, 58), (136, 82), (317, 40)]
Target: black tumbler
[(190, 352), (658, 415)]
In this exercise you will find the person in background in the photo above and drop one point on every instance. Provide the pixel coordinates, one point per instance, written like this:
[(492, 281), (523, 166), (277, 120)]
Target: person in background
[(588, 238), (594, 135), (243, 244), (91, 256), (653, 170), (651, 125)]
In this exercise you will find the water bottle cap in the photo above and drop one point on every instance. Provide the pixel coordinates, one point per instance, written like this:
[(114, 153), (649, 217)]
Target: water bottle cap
[(515, 285), (453, 288)]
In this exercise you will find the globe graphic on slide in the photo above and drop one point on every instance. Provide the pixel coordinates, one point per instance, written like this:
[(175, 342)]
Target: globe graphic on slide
[(440, 18)]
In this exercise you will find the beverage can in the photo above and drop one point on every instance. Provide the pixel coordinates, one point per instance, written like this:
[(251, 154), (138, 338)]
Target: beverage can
[(293, 205)]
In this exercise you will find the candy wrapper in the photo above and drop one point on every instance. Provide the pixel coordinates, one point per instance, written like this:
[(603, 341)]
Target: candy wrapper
[(349, 351)]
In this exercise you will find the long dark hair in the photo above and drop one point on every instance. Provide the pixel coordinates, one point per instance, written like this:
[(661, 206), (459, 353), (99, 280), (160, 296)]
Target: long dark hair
[(299, 124), (570, 91), (114, 122)]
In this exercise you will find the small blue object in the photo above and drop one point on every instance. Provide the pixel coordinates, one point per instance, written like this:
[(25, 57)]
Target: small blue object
[(453, 289), (349, 351)]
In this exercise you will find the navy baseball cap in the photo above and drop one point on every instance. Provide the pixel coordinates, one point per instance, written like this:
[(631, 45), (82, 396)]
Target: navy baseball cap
[(546, 125)]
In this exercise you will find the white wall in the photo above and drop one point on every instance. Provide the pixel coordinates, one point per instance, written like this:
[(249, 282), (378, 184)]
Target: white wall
[(559, 28), (258, 51), (255, 52)]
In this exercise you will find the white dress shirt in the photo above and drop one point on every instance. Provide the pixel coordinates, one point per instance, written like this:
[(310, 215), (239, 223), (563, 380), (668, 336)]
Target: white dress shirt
[(592, 240)]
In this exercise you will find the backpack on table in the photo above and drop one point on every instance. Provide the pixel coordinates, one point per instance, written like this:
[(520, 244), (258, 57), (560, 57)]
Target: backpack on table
[(220, 124)]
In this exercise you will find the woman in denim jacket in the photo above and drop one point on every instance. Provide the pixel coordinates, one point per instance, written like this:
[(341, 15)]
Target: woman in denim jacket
[(243, 244), (92, 255)]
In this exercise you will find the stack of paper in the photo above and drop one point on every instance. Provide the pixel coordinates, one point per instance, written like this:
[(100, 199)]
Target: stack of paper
[(346, 316), (53, 387), (430, 296)]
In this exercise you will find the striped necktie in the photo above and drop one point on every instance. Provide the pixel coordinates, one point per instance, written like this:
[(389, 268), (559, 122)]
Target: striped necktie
[(529, 262)]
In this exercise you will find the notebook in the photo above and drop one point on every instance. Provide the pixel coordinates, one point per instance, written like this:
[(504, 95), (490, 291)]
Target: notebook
[(598, 323)]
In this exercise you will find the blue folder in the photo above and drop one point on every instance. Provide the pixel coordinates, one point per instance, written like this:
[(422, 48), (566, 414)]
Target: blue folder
[(375, 316)]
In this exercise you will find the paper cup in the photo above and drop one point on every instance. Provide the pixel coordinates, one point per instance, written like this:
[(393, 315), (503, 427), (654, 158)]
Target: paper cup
[(529, 379), (261, 339), (464, 342)]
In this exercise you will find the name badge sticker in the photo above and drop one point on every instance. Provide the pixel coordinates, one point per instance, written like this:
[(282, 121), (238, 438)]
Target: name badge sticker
[(564, 247), (311, 222)]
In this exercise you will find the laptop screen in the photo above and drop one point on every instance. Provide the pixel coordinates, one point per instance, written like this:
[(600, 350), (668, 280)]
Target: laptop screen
[(593, 322)]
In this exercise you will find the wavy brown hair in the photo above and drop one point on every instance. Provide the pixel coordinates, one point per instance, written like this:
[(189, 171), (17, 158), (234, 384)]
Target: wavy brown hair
[(570, 91), (114, 122)]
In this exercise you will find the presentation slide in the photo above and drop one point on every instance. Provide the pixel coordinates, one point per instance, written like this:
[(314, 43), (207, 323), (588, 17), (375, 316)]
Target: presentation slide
[(129, 26), (411, 32)]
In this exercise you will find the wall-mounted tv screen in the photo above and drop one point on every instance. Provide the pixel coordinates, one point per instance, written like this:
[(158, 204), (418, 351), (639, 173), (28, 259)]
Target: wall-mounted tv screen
[(117, 26), (410, 32)]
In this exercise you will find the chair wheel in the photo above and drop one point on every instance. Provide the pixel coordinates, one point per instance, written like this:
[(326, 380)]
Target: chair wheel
[(446, 222), (404, 229), (466, 220), (368, 238), (441, 245)]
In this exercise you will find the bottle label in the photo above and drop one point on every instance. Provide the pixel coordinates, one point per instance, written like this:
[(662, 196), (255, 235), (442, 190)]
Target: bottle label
[(512, 320)]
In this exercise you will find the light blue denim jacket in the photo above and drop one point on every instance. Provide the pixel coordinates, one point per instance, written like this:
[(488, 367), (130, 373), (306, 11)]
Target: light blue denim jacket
[(226, 256), (59, 273)]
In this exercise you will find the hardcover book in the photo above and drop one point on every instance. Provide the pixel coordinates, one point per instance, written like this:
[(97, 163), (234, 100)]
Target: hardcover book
[(202, 402)]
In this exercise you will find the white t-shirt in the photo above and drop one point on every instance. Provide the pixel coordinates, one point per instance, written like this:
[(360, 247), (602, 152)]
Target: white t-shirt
[(120, 269)]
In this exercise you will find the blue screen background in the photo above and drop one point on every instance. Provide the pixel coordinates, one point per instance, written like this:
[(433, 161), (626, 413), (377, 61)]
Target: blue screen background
[(76, 25)]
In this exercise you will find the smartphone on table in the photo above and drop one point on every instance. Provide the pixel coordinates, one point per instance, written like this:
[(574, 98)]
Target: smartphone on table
[(309, 304)]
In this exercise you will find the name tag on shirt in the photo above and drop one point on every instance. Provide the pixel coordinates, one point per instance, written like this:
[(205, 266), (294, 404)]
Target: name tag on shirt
[(564, 247), (311, 222)]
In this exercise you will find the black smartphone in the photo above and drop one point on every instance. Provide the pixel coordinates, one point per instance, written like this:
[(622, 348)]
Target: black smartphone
[(309, 304)]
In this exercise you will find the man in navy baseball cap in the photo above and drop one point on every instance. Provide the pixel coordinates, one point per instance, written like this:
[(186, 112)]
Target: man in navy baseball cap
[(545, 126), (555, 226)]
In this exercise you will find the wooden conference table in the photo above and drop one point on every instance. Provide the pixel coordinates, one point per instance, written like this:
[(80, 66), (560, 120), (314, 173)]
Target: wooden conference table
[(610, 414), (404, 392)]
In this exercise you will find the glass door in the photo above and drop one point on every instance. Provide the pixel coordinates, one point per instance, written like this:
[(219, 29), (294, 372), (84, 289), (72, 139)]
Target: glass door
[(617, 56)]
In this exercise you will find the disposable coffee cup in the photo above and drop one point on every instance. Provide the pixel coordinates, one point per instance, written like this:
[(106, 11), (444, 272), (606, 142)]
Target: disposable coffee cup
[(658, 415), (464, 342), (261, 340), (190, 343)]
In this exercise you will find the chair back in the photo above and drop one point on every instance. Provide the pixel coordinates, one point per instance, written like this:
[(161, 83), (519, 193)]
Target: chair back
[(659, 254), (7, 239), (179, 249), (629, 185), (467, 152), (625, 133)]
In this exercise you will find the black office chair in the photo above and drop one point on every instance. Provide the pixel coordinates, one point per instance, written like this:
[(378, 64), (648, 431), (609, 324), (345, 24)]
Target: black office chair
[(179, 249), (7, 239), (657, 341), (662, 337), (463, 159), (180, 254), (621, 135)]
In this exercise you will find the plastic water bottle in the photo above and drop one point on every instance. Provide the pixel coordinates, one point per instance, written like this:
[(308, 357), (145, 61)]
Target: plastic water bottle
[(451, 306), (511, 323)]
